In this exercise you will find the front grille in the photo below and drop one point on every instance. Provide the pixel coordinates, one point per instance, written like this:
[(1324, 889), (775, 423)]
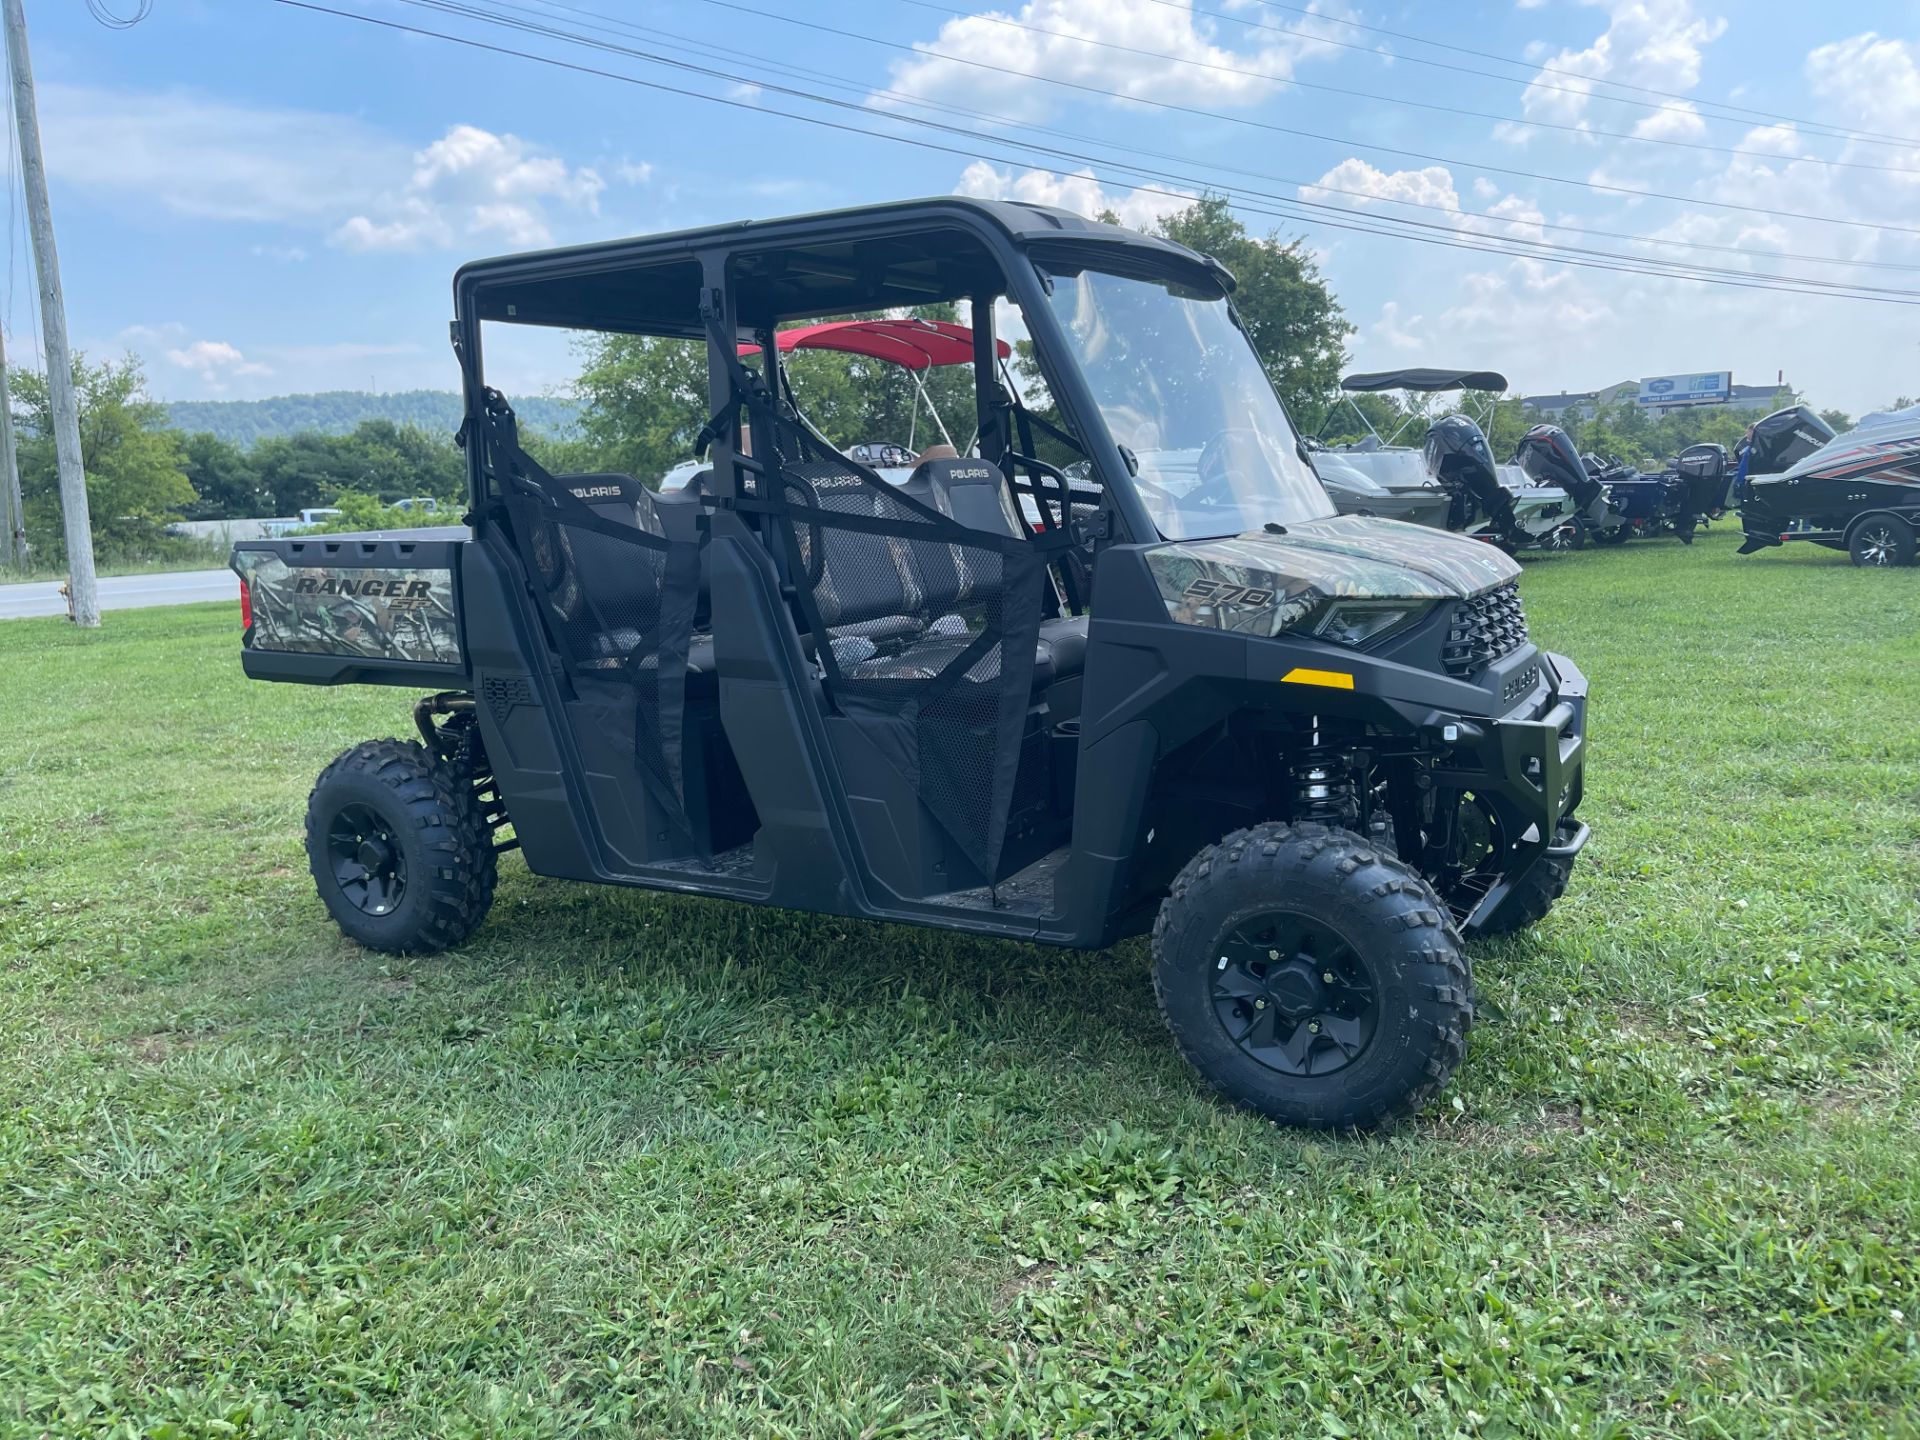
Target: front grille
[(1483, 629)]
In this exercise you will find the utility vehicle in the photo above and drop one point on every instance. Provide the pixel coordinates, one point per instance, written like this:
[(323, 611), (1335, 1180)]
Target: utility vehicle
[(1311, 753)]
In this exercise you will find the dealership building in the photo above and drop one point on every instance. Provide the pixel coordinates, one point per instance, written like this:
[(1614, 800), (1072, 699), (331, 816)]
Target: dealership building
[(1661, 393)]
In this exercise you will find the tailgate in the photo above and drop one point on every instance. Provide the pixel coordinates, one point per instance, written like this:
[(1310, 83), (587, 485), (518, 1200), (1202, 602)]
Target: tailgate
[(376, 608)]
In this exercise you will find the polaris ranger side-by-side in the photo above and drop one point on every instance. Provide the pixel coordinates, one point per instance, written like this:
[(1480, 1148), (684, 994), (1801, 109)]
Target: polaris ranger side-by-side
[(1176, 692)]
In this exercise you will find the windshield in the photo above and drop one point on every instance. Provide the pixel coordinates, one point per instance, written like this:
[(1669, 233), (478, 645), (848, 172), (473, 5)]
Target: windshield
[(1181, 391)]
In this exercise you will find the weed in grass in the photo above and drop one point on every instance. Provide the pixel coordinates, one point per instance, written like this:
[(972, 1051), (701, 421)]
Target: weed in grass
[(637, 1164)]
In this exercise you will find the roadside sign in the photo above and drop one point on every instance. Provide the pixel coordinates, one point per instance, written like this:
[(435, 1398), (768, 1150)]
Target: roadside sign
[(1710, 387)]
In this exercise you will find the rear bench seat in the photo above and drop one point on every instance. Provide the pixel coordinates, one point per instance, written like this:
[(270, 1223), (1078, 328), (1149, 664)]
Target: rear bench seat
[(968, 491)]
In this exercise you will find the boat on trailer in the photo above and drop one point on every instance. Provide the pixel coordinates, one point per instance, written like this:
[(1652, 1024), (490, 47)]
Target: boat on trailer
[(1858, 492)]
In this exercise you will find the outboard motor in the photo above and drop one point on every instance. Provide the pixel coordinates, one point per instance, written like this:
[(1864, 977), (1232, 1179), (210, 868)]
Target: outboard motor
[(1706, 473), (1785, 438), (1546, 453), (1460, 459)]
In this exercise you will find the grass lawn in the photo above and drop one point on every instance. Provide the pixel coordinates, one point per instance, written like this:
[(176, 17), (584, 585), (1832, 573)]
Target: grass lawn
[(630, 1164), (185, 556)]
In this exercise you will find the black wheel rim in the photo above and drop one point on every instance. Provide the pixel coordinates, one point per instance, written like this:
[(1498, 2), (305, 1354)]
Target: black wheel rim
[(1875, 546), (1479, 846), (366, 861), (1293, 995)]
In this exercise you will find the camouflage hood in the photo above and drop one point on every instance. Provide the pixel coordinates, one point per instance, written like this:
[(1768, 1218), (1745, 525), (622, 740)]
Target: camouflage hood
[(1266, 583)]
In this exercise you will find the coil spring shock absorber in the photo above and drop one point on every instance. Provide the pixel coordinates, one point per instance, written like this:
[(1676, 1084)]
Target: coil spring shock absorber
[(1333, 785)]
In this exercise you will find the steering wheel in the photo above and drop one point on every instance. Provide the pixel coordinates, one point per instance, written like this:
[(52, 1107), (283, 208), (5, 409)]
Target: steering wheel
[(1215, 485)]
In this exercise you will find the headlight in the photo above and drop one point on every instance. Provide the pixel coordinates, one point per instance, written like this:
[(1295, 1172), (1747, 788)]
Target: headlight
[(1361, 622)]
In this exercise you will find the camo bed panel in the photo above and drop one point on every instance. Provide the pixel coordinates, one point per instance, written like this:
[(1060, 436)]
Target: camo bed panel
[(374, 612)]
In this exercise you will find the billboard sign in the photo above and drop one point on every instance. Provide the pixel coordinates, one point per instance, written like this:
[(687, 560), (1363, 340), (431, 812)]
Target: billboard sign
[(1710, 387)]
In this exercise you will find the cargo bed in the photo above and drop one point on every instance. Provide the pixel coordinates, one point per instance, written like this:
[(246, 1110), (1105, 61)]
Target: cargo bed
[(376, 608)]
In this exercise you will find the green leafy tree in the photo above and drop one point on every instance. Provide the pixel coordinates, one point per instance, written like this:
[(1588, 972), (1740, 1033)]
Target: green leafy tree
[(1840, 420), (1296, 325), (643, 399), (359, 511), (136, 476), (378, 458), (226, 483)]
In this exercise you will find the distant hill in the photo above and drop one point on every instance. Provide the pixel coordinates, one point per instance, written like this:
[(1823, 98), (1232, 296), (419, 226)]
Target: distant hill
[(335, 412)]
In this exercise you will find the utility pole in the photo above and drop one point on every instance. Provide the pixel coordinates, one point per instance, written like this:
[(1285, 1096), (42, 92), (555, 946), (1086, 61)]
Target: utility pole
[(13, 517), (83, 595)]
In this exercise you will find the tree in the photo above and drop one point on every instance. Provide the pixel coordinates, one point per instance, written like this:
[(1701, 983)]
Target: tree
[(1297, 327), (1840, 420), (136, 477), (224, 478), (644, 399), (378, 458)]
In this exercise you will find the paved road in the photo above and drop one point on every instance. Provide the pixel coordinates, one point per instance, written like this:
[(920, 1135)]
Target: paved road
[(123, 592)]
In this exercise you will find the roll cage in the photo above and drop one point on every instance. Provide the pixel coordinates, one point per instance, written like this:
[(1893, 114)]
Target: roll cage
[(735, 284)]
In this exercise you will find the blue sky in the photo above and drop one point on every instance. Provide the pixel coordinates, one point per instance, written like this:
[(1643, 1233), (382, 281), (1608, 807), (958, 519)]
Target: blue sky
[(258, 199)]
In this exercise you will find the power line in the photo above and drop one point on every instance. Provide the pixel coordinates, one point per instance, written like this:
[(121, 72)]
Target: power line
[(1184, 197), (99, 11), (1295, 80), (1821, 127), (734, 53), (1338, 140)]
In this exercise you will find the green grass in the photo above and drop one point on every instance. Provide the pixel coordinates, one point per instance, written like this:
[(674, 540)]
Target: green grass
[(177, 555), (630, 1164)]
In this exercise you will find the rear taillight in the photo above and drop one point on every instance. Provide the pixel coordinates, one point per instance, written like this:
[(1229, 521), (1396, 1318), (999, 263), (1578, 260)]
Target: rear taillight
[(246, 606)]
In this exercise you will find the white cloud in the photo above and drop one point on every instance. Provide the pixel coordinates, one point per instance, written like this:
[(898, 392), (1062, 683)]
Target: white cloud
[(1657, 44), (1080, 192), (1782, 139), (1147, 49), (472, 182), (1397, 334), (1675, 120), (1355, 183), (629, 172), (211, 159), (214, 363)]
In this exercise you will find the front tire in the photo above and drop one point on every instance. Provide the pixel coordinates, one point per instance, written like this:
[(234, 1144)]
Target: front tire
[(1313, 977), (399, 848), (1880, 541), (1532, 898)]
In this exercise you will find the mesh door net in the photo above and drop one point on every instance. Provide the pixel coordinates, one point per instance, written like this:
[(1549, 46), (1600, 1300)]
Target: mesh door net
[(618, 598), (925, 629)]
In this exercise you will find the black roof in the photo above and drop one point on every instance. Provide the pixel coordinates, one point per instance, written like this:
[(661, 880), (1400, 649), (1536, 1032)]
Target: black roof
[(881, 264), (1427, 380)]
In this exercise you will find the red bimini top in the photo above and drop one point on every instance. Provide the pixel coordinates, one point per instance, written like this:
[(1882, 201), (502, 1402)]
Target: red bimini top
[(913, 344)]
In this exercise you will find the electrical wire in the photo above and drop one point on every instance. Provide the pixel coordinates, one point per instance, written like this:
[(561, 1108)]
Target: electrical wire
[(1182, 197), (474, 11), (99, 11), (1400, 100), (1339, 140), (1738, 114), (733, 53)]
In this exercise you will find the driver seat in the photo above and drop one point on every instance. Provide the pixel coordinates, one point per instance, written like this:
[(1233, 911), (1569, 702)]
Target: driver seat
[(974, 494)]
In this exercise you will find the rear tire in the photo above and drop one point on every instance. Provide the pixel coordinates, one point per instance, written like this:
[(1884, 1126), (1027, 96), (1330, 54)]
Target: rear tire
[(1881, 541), (1313, 977), (399, 849)]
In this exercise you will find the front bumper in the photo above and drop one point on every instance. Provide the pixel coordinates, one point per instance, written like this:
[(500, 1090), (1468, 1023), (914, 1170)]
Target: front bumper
[(1530, 766)]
